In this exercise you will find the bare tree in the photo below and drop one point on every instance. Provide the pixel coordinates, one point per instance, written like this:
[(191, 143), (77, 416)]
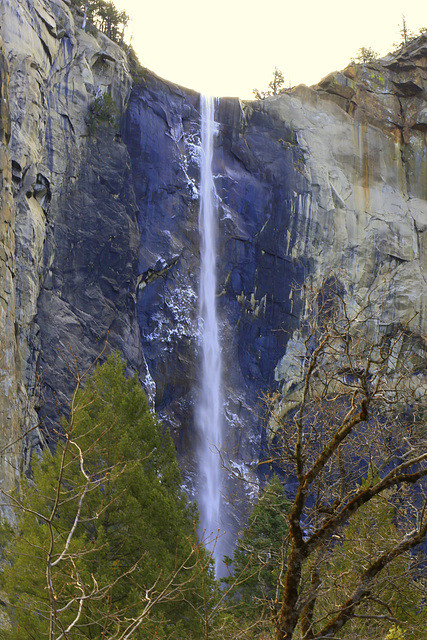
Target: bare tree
[(66, 586), (348, 433)]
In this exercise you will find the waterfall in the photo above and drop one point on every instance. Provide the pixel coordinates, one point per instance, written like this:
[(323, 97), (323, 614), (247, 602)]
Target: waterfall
[(210, 406)]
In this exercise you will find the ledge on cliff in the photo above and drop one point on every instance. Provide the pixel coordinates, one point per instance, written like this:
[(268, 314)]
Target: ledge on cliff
[(388, 93)]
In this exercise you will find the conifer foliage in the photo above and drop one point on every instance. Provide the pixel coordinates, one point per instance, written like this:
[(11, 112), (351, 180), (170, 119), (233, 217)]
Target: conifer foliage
[(260, 557), (275, 86), (104, 545), (104, 16)]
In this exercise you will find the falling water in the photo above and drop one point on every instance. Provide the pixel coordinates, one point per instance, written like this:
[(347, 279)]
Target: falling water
[(209, 415)]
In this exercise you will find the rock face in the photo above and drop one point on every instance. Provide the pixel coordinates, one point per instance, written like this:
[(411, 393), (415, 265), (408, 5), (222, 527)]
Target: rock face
[(255, 273), (10, 378), (75, 225), (102, 232), (316, 181)]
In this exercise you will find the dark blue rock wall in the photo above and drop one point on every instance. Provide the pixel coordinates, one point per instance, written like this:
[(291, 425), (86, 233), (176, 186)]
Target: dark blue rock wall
[(87, 299), (260, 189)]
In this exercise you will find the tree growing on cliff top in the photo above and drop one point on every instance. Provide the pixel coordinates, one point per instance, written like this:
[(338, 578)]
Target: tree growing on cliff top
[(350, 435), (104, 544), (104, 16), (110, 20), (406, 34), (275, 86), (364, 55)]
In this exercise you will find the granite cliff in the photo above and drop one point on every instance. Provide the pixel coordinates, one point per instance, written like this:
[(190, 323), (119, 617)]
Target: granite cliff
[(99, 224), (72, 212)]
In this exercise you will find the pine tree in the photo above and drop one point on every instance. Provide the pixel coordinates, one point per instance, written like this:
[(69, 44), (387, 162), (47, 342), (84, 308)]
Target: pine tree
[(275, 86), (260, 555), (104, 16), (104, 544), (364, 55)]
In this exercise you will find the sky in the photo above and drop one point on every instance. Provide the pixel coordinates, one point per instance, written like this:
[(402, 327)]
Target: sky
[(230, 47)]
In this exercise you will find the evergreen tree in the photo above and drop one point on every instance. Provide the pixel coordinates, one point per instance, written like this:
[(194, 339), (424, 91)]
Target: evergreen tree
[(406, 34), (275, 86), (104, 16), (110, 20), (260, 555), (104, 544), (364, 55)]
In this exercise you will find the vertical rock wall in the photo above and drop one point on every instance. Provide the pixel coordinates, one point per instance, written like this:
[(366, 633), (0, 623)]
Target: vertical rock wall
[(259, 192), (10, 378), (72, 223)]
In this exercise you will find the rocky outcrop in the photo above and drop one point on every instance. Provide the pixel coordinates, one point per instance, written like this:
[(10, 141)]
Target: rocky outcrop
[(89, 290)]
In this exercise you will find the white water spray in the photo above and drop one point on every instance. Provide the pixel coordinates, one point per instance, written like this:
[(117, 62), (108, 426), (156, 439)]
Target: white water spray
[(210, 408)]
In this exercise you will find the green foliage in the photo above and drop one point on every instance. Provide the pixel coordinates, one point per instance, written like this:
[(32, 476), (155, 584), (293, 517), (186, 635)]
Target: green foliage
[(260, 558), (371, 531), (260, 555), (275, 86), (104, 533), (109, 20), (406, 34), (365, 54), (336, 572), (102, 109), (136, 68), (395, 633), (104, 16)]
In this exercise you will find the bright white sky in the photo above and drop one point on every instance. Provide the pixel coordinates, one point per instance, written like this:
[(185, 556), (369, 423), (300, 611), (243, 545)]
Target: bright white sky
[(228, 47)]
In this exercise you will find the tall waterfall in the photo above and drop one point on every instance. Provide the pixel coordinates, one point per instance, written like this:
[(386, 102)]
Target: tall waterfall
[(210, 406)]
